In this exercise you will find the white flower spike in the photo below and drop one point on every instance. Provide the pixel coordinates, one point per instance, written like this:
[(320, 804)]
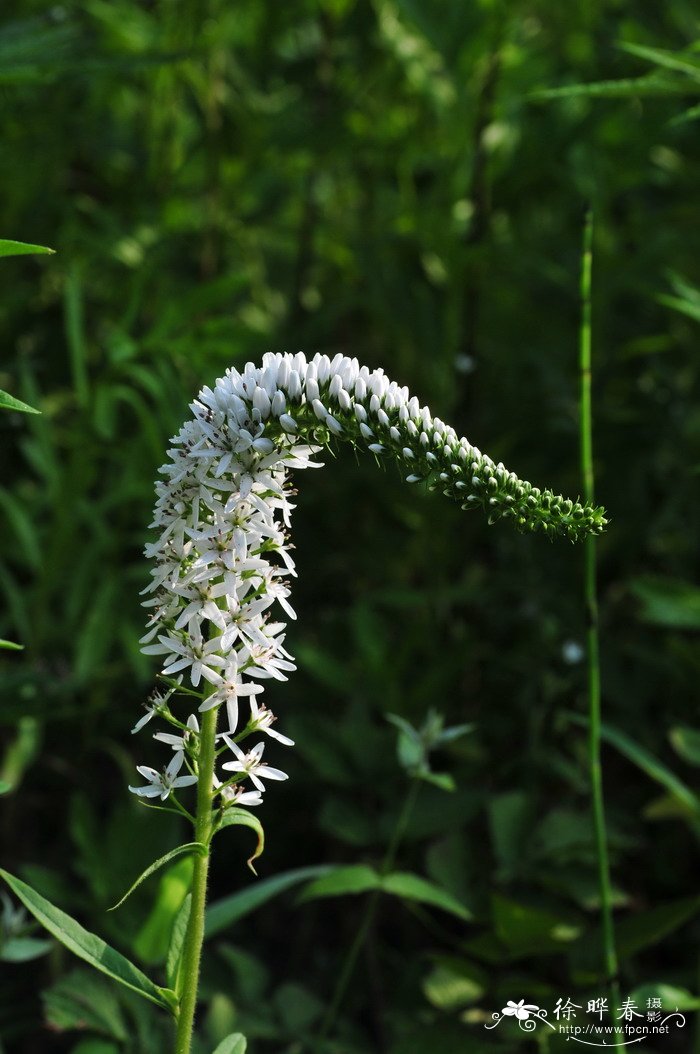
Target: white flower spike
[(222, 558)]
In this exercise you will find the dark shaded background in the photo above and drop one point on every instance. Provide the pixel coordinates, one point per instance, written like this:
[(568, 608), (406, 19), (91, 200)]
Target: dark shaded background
[(374, 178)]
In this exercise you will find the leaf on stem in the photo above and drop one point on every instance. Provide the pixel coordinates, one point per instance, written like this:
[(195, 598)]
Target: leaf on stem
[(233, 817), (88, 946), (190, 847)]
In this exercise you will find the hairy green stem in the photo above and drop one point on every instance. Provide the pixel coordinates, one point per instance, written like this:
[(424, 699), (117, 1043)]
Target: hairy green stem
[(203, 830), (592, 628), (370, 909)]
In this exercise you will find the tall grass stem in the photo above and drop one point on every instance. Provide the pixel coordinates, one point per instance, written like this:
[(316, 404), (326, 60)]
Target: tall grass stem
[(592, 624)]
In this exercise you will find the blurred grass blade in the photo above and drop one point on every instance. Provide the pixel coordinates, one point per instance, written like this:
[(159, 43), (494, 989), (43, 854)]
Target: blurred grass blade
[(9, 645), (88, 946), (623, 89), (223, 913), (75, 334), (10, 248), (668, 59), (189, 847), (646, 761), (20, 753)]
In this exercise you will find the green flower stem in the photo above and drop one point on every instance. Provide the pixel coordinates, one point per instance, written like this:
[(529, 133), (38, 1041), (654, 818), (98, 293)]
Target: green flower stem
[(369, 913), (203, 831), (592, 628)]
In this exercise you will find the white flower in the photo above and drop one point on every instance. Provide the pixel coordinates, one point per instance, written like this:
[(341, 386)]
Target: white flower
[(229, 689), (251, 765), (160, 784), (261, 721), (238, 795), (183, 741)]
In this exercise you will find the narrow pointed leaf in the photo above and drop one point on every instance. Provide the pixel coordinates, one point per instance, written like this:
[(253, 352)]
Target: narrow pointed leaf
[(9, 645), (234, 817), (8, 402), (88, 946), (10, 248), (189, 847), (413, 887), (223, 913)]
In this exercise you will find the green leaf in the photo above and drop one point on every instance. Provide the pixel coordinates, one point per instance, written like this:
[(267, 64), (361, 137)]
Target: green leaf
[(8, 402), (526, 930), (9, 645), (341, 881), (23, 949), (177, 942), (190, 847), (223, 913), (686, 742), (233, 1044), (647, 928), (10, 248), (671, 996), (412, 887), (454, 983), (667, 601), (233, 817), (83, 1000), (88, 946), (645, 760)]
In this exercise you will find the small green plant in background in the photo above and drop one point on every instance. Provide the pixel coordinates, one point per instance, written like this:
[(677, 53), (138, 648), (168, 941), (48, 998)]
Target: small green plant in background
[(221, 561), (15, 945), (7, 401)]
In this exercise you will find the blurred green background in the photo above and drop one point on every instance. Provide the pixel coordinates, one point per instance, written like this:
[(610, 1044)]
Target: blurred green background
[(381, 179)]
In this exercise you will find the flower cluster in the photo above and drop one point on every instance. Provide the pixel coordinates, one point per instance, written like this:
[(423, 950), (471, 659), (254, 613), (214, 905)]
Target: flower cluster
[(222, 558)]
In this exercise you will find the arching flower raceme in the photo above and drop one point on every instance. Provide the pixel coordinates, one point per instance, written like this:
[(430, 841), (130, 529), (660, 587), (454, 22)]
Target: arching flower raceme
[(222, 558)]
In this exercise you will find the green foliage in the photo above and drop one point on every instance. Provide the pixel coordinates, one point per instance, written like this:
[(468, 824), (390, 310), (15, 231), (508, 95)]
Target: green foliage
[(87, 945), (359, 878)]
